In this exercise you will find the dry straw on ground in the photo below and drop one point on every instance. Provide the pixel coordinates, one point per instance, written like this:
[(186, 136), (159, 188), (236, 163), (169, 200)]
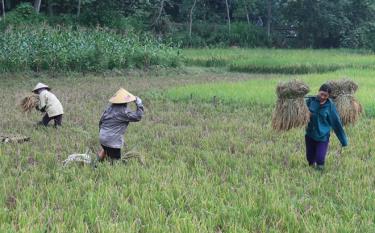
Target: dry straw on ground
[(88, 159), (291, 110), (81, 158), (29, 103), (13, 138), (347, 105)]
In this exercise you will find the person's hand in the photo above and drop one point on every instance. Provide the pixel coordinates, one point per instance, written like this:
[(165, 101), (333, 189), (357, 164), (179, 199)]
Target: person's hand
[(339, 151), (138, 101)]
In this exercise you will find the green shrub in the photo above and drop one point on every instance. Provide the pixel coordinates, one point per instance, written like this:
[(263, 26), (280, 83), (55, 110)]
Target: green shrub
[(217, 35), (368, 36), (24, 14)]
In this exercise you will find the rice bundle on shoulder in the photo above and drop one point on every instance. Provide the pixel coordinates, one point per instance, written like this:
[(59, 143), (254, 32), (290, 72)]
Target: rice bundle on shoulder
[(29, 102), (347, 105), (291, 110)]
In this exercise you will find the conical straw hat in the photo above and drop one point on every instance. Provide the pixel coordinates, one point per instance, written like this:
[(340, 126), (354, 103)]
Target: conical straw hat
[(122, 96), (40, 86)]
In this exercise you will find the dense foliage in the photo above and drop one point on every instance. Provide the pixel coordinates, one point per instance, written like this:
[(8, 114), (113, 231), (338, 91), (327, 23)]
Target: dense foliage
[(79, 49), (251, 23)]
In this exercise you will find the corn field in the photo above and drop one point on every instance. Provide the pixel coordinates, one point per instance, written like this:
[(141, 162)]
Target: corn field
[(77, 49)]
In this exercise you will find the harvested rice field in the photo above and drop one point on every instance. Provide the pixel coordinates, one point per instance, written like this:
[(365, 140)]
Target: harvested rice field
[(211, 160)]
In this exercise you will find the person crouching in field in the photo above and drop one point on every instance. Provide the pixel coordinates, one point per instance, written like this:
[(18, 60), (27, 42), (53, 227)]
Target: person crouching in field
[(49, 104), (114, 122), (323, 117)]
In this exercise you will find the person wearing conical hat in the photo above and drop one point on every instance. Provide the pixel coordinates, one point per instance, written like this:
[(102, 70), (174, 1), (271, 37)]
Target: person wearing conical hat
[(114, 122), (49, 104)]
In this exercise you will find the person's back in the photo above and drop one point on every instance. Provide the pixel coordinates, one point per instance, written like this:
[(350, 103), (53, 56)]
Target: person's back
[(48, 103), (53, 106), (114, 122)]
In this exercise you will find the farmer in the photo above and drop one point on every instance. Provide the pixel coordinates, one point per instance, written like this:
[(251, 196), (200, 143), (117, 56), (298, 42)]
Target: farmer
[(323, 117), (49, 104), (114, 122)]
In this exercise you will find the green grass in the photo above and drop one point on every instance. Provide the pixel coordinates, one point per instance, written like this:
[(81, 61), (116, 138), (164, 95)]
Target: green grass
[(278, 61), (207, 169), (261, 90)]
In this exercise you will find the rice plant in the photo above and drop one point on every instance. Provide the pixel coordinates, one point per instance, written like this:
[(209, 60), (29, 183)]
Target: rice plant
[(208, 168), (278, 60), (261, 89)]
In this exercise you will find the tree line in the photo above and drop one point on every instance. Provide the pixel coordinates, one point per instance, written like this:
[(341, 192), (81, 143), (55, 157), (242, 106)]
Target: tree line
[(250, 23)]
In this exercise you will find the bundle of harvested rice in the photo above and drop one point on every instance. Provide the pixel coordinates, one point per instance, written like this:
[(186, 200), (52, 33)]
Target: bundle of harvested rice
[(291, 110), (342, 87), (82, 158), (133, 154), (89, 160), (13, 139), (29, 102), (347, 105), (292, 89)]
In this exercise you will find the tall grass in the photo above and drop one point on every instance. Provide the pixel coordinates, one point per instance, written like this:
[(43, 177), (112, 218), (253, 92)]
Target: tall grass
[(79, 49), (278, 61)]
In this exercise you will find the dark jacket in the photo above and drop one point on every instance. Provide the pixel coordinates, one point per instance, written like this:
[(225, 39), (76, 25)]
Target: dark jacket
[(323, 118)]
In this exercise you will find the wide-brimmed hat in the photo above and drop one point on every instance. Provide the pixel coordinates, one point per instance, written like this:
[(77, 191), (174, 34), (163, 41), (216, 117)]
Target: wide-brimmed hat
[(40, 86), (122, 96)]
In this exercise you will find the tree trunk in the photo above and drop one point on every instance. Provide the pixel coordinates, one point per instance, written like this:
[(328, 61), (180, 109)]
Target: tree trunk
[(79, 8), (8, 4), (160, 12), (191, 18), (37, 5), (247, 15), (228, 15), (3, 7), (50, 8), (269, 18)]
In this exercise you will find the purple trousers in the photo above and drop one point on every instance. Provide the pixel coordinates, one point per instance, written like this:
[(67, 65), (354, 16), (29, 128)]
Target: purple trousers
[(316, 151)]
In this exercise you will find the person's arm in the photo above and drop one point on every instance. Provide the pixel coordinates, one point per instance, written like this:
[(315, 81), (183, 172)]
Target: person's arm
[(100, 122), (42, 102), (337, 126), (130, 116), (101, 119), (308, 100)]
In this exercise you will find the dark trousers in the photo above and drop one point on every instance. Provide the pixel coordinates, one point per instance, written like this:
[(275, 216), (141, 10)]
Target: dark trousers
[(316, 151), (46, 119), (113, 153)]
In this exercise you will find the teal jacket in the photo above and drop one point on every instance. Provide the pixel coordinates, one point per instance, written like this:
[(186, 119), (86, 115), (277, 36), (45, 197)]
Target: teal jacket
[(322, 119)]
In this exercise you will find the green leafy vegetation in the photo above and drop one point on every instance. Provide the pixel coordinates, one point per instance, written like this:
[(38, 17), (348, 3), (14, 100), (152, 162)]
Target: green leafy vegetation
[(191, 23), (80, 49)]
